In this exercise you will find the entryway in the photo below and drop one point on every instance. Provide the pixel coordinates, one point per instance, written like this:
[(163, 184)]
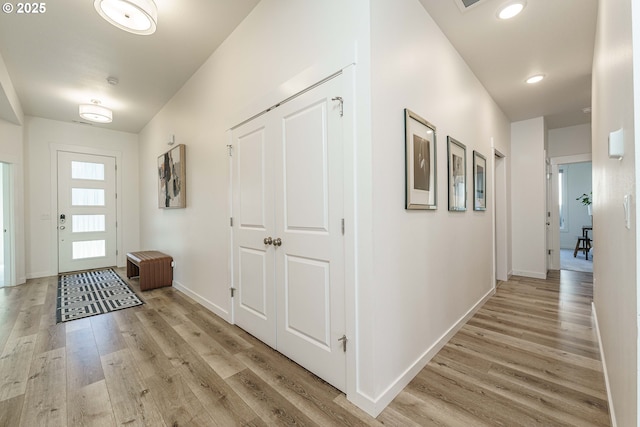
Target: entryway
[(288, 243), (86, 214), (7, 276)]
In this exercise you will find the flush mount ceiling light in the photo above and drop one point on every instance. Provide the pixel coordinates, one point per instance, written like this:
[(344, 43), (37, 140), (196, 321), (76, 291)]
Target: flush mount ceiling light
[(134, 16), (511, 9), (535, 79), (95, 112)]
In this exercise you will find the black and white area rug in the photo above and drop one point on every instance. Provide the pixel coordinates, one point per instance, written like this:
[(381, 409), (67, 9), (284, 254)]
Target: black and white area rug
[(92, 292)]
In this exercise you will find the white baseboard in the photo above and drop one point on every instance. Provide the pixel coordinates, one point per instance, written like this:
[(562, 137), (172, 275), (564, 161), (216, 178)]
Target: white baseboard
[(532, 274), (612, 413), (38, 275), (216, 309), (375, 406)]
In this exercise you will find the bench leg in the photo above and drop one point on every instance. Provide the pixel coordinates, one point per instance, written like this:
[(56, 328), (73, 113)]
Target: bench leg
[(132, 269)]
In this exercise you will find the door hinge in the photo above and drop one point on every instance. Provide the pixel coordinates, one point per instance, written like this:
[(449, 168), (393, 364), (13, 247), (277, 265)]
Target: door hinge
[(549, 251), (230, 148), (233, 290), (344, 342), (343, 226), (116, 252), (339, 98), (231, 221)]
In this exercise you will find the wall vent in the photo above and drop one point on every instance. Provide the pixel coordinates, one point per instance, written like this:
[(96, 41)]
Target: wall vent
[(465, 5)]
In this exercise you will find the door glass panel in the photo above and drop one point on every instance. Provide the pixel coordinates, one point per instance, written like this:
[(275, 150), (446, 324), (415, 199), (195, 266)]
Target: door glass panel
[(88, 249), (84, 170), (87, 197), (87, 223)]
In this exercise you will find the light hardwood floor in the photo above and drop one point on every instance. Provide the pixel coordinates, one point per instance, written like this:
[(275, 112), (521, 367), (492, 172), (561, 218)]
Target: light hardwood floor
[(528, 357)]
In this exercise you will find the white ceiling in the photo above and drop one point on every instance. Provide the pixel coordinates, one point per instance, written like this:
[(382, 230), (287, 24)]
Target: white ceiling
[(554, 37), (63, 57)]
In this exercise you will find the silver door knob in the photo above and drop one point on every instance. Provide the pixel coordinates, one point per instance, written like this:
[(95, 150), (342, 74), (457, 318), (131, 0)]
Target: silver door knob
[(277, 242), (62, 227), (268, 240)]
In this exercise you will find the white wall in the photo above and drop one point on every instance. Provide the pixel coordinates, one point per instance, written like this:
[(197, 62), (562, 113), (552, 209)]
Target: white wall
[(281, 48), (40, 136), (570, 141), (429, 267), (528, 198), (616, 88), (578, 177), (11, 151)]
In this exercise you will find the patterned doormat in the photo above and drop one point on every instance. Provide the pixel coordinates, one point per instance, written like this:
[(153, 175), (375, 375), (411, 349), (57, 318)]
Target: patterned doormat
[(92, 292)]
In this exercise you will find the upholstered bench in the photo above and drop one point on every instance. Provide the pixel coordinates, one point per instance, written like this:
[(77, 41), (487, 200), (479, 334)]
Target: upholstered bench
[(154, 268)]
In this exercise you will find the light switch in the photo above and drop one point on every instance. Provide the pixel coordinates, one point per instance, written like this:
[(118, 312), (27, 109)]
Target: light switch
[(616, 144)]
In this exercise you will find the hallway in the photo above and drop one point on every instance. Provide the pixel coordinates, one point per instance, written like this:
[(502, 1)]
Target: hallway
[(528, 357)]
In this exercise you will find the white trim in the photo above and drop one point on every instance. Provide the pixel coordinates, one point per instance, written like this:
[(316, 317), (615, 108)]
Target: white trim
[(375, 406), (578, 158), (54, 148), (216, 309), (532, 274), (612, 413)]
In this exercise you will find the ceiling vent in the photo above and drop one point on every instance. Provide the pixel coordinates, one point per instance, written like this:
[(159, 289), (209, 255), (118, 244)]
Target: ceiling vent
[(465, 5)]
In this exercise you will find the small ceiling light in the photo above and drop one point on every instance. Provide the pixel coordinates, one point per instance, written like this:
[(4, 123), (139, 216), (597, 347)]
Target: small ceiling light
[(535, 79), (134, 16), (95, 112), (511, 9), (113, 81)]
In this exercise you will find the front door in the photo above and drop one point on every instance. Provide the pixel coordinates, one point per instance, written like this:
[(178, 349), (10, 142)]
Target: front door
[(288, 245), (86, 211)]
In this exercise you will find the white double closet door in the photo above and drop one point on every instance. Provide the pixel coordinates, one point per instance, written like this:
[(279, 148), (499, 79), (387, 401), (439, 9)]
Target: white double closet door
[(288, 245)]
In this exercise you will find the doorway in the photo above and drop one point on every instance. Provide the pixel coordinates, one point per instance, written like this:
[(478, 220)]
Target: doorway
[(86, 214), (288, 235), (6, 226), (570, 178), (500, 220)]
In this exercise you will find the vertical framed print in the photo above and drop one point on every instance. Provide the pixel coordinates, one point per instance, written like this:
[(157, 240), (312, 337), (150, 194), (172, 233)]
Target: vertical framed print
[(457, 171), (171, 178), (420, 155), (479, 182)]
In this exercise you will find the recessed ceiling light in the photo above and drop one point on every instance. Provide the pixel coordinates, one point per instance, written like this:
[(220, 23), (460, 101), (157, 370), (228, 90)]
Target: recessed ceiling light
[(511, 9), (134, 16), (535, 79)]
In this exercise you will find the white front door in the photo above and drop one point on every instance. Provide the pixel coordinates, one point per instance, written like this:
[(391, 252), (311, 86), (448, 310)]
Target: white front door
[(86, 211), (288, 242)]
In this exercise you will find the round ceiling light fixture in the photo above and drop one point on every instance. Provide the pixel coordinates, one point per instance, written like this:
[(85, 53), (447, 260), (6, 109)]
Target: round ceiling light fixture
[(535, 79), (95, 112), (511, 9), (134, 16)]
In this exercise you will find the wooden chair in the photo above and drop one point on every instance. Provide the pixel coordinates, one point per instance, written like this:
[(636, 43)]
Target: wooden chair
[(583, 244)]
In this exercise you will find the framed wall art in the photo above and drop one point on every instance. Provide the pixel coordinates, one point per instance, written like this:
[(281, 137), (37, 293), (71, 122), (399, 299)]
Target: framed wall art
[(172, 178), (420, 154), (479, 182), (457, 171)]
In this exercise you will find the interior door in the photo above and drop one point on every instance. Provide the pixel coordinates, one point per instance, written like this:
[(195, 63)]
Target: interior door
[(309, 246), (288, 251), (86, 211), (253, 256)]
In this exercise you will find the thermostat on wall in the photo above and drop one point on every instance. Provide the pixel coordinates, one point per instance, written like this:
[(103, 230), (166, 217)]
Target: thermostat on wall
[(616, 144)]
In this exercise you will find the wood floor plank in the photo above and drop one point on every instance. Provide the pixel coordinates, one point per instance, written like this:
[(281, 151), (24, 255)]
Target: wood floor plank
[(83, 359), (15, 364), (528, 357), (90, 406), (306, 391), (10, 411), (132, 405), (107, 334), (221, 361), (46, 394), (266, 402)]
